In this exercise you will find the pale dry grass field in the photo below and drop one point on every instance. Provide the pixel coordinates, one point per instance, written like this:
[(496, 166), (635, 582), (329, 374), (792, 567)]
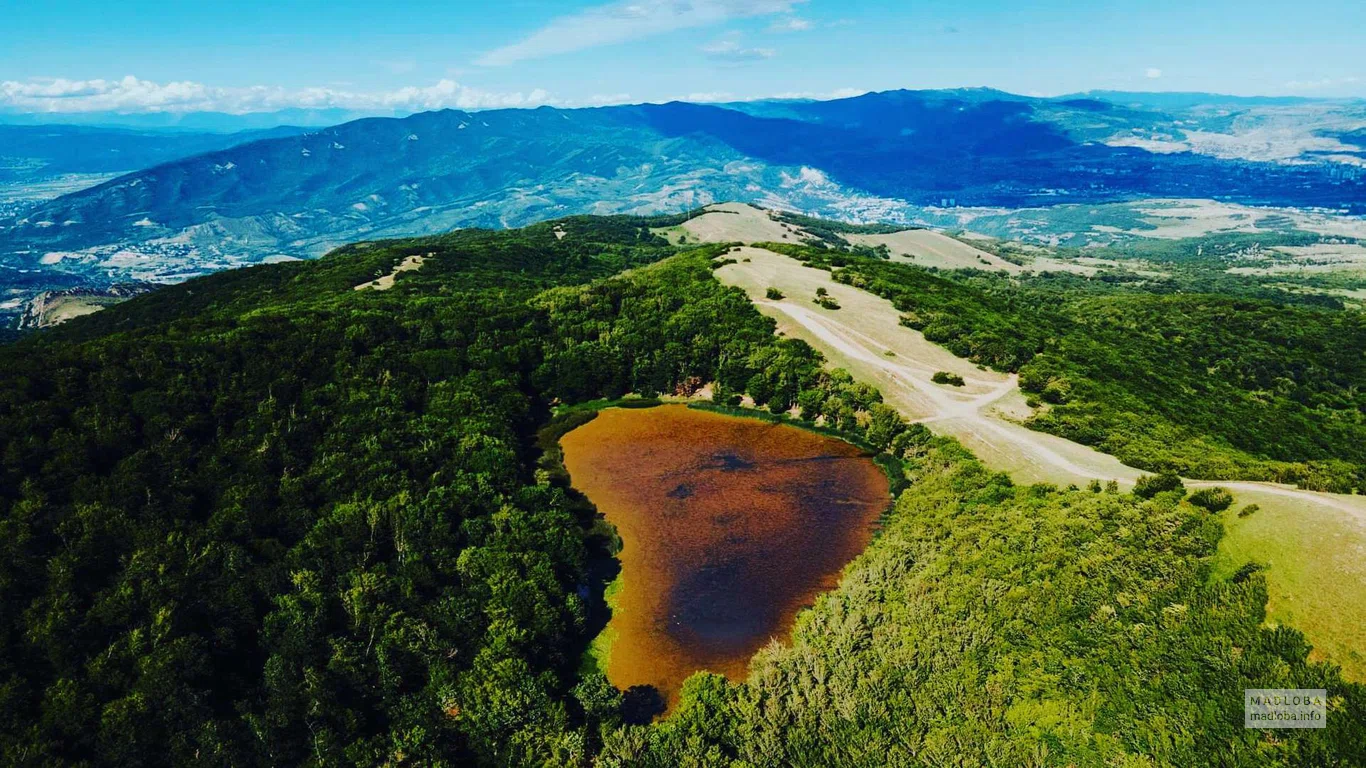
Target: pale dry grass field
[(66, 308), (931, 249), (928, 248), (733, 223), (1176, 219), (1347, 258)]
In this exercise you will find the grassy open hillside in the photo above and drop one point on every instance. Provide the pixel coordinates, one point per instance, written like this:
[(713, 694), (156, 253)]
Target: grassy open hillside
[(1208, 385)]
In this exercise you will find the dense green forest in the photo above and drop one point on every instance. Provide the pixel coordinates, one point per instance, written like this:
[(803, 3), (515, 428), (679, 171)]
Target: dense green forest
[(1204, 384), (262, 518)]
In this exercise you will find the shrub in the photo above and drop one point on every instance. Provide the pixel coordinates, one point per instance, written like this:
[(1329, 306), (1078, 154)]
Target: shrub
[(1149, 486), (1248, 511), (774, 294), (1213, 499), (944, 377), (1246, 572), (942, 331), (913, 320), (1057, 391)]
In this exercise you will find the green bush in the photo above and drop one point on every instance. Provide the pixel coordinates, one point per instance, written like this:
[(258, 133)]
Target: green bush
[(773, 294), (913, 320), (1149, 486), (1213, 499), (944, 377)]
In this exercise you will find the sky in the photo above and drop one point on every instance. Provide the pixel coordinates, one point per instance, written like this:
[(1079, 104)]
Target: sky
[(263, 55)]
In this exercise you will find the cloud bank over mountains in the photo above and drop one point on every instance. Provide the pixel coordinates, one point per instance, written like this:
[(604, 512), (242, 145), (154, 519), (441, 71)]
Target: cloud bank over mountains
[(132, 94)]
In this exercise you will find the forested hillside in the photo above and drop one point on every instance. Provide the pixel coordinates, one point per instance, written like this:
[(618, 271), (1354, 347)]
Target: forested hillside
[(263, 518), (1205, 384)]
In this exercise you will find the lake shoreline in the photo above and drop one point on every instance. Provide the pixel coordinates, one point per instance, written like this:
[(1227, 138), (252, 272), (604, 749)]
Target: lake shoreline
[(722, 543)]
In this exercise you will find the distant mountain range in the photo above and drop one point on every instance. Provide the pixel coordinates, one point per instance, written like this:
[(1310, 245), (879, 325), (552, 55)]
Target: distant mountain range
[(29, 152), (197, 122), (877, 156)]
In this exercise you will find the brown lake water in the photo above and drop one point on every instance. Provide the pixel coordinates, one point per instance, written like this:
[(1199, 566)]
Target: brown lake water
[(730, 526)]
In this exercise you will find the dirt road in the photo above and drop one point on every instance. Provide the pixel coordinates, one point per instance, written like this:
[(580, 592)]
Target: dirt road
[(972, 413)]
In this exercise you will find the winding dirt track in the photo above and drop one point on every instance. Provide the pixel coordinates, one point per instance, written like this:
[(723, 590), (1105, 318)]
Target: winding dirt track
[(971, 413)]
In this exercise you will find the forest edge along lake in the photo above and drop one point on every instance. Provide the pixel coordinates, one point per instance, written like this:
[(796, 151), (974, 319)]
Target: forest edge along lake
[(729, 527)]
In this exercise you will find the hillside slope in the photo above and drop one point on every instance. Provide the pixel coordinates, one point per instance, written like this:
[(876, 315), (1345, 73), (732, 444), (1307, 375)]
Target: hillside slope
[(36, 151), (264, 518)]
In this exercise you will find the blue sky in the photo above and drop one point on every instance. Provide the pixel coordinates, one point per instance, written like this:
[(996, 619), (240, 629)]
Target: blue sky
[(256, 55)]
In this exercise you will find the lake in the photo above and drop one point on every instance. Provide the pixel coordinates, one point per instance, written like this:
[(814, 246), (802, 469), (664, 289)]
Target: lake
[(730, 526)]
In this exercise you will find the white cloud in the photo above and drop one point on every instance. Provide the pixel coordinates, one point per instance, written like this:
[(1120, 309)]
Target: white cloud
[(708, 97), (131, 94), (1153, 73), (729, 49), (628, 20), (716, 97), (608, 99), (1321, 84), (838, 93), (790, 24)]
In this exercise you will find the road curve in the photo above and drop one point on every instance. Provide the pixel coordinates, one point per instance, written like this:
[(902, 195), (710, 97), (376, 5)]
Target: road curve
[(970, 411)]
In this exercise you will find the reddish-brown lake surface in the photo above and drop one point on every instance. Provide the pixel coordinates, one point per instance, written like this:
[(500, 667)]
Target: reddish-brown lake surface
[(729, 527)]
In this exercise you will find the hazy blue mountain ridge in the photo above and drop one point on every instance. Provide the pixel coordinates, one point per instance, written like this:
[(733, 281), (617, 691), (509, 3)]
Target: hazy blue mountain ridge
[(873, 155), (35, 151)]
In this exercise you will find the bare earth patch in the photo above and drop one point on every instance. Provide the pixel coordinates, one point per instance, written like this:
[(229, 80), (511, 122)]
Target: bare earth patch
[(386, 282), (69, 307)]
